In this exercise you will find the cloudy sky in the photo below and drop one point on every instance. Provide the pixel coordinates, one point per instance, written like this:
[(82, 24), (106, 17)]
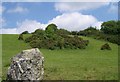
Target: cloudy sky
[(73, 16)]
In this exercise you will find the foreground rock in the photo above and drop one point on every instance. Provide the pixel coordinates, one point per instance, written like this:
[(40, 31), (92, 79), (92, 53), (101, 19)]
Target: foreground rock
[(27, 65)]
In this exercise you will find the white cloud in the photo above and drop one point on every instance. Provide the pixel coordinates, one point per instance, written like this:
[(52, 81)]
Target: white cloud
[(75, 21), (78, 6), (18, 9), (29, 25), (97, 24), (70, 21)]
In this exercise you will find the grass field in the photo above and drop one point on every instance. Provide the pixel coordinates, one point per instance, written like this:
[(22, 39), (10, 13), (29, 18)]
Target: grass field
[(0, 56), (69, 64)]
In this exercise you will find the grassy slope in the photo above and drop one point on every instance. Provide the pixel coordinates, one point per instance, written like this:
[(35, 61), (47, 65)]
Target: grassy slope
[(67, 64), (0, 56), (10, 47)]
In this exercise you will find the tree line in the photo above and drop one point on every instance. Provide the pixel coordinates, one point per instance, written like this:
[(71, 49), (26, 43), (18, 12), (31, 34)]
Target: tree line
[(54, 38), (110, 31)]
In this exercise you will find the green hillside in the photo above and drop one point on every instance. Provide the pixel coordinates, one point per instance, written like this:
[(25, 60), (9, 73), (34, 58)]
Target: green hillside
[(69, 64), (0, 56)]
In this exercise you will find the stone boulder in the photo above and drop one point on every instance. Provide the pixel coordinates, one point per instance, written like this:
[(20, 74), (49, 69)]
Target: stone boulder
[(27, 65)]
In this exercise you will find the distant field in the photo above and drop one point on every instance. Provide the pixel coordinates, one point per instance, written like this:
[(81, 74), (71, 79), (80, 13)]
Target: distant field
[(88, 64)]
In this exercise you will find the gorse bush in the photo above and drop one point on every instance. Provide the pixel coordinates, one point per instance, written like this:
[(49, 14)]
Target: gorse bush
[(53, 38), (25, 32), (20, 37), (105, 47), (35, 43)]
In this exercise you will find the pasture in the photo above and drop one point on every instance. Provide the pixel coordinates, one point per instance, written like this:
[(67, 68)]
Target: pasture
[(68, 64)]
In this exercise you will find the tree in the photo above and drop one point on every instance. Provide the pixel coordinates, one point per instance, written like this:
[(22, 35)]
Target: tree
[(90, 31), (74, 32), (25, 32), (62, 32), (51, 28), (39, 32), (110, 27)]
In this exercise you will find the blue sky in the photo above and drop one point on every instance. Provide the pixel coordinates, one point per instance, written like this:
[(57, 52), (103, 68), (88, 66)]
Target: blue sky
[(20, 15), (41, 12)]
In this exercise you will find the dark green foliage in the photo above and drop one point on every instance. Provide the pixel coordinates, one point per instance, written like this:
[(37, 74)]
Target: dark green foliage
[(90, 31), (51, 28), (111, 27), (74, 32), (86, 42), (34, 37), (35, 44), (110, 31), (62, 32), (50, 44), (25, 32), (20, 37), (82, 33), (113, 39), (53, 38), (74, 43), (105, 47), (60, 43), (39, 32)]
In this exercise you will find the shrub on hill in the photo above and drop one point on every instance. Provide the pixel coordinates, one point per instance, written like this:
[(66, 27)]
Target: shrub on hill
[(111, 27), (62, 32), (51, 29), (110, 31), (25, 32), (34, 37), (39, 32), (53, 38), (35, 43), (105, 47), (86, 42), (90, 31), (20, 37)]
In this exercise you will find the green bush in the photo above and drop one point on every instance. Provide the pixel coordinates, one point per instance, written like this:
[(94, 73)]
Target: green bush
[(39, 32), (53, 38), (49, 44), (34, 37), (105, 47), (35, 44), (25, 32), (82, 45), (62, 32), (20, 37), (74, 42), (86, 42)]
